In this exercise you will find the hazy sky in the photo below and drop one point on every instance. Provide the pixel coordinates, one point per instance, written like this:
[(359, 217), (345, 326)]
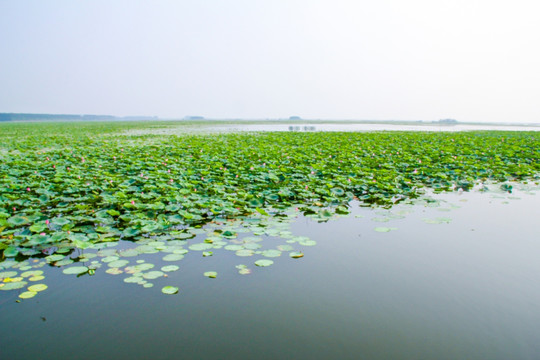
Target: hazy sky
[(336, 59)]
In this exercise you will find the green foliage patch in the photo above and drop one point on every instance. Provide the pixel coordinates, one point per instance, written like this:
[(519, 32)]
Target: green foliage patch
[(80, 184)]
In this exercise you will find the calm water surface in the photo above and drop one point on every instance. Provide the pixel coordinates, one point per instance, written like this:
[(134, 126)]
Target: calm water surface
[(463, 289)]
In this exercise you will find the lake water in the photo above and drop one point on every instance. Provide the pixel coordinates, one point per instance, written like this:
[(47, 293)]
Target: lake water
[(180, 129), (366, 127), (452, 280)]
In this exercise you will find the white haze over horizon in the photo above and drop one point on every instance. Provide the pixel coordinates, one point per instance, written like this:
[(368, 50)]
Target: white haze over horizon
[(318, 59)]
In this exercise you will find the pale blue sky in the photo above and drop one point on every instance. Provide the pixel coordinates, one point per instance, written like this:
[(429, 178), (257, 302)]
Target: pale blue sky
[(386, 59)]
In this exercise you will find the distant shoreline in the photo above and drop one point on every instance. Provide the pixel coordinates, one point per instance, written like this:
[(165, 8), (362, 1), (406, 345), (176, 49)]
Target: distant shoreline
[(29, 118)]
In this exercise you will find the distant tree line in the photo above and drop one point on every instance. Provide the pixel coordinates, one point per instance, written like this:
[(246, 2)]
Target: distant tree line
[(50, 117)]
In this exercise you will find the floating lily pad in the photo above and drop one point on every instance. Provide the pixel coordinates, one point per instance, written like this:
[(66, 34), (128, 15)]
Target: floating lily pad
[(439, 220), (128, 253), (170, 268), (65, 261), (384, 229), (244, 252), (169, 290), (153, 275), (18, 220), (11, 251), (36, 278), (296, 254), (14, 285), (307, 242), (118, 263), (37, 287), (27, 273), (271, 253), (200, 247), (133, 280), (9, 274), (264, 262), (114, 271), (173, 257), (75, 270), (54, 258), (110, 259), (210, 274), (27, 294)]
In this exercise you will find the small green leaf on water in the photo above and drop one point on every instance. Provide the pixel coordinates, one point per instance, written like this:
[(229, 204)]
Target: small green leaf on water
[(207, 253), (37, 287), (151, 275), (170, 268), (9, 274), (296, 254), (11, 251), (30, 273), (263, 262), (75, 270), (28, 294), (384, 229), (271, 253), (210, 274), (169, 290), (244, 252), (114, 271), (36, 278), (13, 285), (118, 263), (200, 247), (173, 257), (307, 242), (439, 220)]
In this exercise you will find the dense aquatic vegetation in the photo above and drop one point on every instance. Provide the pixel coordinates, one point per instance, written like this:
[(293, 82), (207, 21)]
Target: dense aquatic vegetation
[(66, 186)]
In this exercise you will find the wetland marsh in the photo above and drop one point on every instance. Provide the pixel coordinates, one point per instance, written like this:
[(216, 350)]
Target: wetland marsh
[(267, 244)]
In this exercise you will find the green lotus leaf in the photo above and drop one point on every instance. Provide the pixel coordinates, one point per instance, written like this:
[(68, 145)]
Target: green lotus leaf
[(264, 262), (153, 275), (200, 247), (169, 268), (27, 294), (37, 287), (130, 232), (11, 251), (75, 270), (271, 253), (169, 290), (9, 274), (54, 258), (210, 274), (60, 221), (114, 271), (173, 257), (15, 285), (118, 263), (18, 220), (384, 229)]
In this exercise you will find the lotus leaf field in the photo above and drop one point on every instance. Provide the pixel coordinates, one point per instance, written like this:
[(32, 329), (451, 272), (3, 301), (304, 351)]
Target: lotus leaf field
[(67, 187)]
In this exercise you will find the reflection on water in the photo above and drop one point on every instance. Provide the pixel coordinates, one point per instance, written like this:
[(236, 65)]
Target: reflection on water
[(456, 278), (302, 128), (363, 127)]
